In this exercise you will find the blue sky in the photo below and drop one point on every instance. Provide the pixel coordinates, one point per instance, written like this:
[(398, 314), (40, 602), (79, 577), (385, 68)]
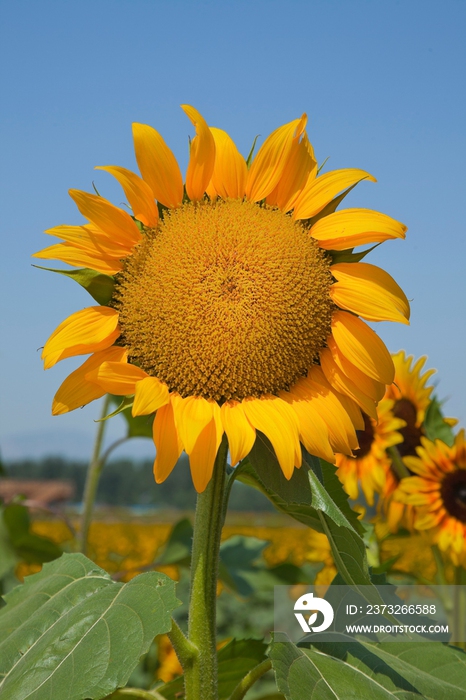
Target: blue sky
[(382, 83)]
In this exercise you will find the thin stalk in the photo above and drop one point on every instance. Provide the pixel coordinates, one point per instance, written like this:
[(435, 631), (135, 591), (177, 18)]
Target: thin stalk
[(185, 651), (201, 677), (135, 693), (92, 478), (397, 463), (249, 679)]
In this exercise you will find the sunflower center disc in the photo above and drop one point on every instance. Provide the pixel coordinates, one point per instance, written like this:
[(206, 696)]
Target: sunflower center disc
[(225, 300), (453, 492)]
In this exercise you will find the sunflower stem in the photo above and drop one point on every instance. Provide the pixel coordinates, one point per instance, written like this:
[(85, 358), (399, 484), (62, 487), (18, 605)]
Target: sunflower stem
[(201, 676), (92, 478), (397, 463)]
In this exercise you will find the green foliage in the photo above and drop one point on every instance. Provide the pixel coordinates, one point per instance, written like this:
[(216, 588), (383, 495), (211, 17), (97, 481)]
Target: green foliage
[(293, 497), (27, 546), (70, 631), (242, 568), (99, 286), (302, 674), (434, 424), (235, 659)]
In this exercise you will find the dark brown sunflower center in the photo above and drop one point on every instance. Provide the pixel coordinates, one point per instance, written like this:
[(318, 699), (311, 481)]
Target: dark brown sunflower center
[(411, 433), (453, 493), (225, 300), (365, 438)]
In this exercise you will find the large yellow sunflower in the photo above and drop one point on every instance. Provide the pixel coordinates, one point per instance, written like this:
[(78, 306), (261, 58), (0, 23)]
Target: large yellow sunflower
[(369, 463), (438, 493), (227, 313)]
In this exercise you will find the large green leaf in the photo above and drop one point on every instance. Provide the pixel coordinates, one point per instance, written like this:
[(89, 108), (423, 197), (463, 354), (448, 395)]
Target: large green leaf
[(434, 424), (70, 631), (305, 674), (294, 497), (28, 546), (432, 669), (436, 670), (235, 659), (99, 286)]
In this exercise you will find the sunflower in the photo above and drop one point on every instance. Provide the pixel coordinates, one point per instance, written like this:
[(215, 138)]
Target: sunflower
[(228, 313), (411, 396), (369, 463), (438, 493)]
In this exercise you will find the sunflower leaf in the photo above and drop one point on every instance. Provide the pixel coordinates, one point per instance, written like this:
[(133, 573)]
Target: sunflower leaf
[(70, 631), (99, 286), (304, 673), (435, 426), (262, 471)]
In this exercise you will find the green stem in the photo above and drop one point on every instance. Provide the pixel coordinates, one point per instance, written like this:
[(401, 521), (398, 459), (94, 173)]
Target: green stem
[(397, 463), (185, 651), (201, 677), (249, 679), (92, 479)]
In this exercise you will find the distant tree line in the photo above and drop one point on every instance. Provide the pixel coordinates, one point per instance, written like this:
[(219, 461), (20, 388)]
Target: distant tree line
[(125, 482)]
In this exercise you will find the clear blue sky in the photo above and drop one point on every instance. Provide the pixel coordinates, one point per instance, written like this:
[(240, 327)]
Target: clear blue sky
[(381, 81)]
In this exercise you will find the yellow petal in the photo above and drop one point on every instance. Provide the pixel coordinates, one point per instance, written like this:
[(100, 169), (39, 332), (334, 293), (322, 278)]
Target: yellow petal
[(313, 431), (230, 170), (138, 193), (375, 390), (166, 440), (115, 222), (202, 456), (241, 435), (299, 165), (353, 410), (370, 292), (150, 394), (92, 239), (77, 257), (86, 331), (279, 423), (342, 434), (201, 157), (267, 167), (76, 391), (352, 227), (192, 415), (319, 192), (362, 346), (343, 384), (158, 165), (117, 378)]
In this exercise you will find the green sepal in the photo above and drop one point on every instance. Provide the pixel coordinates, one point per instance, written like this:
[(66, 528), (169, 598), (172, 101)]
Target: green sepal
[(331, 206), (136, 426), (251, 152), (339, 256), (99, 286), (126, 403)]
